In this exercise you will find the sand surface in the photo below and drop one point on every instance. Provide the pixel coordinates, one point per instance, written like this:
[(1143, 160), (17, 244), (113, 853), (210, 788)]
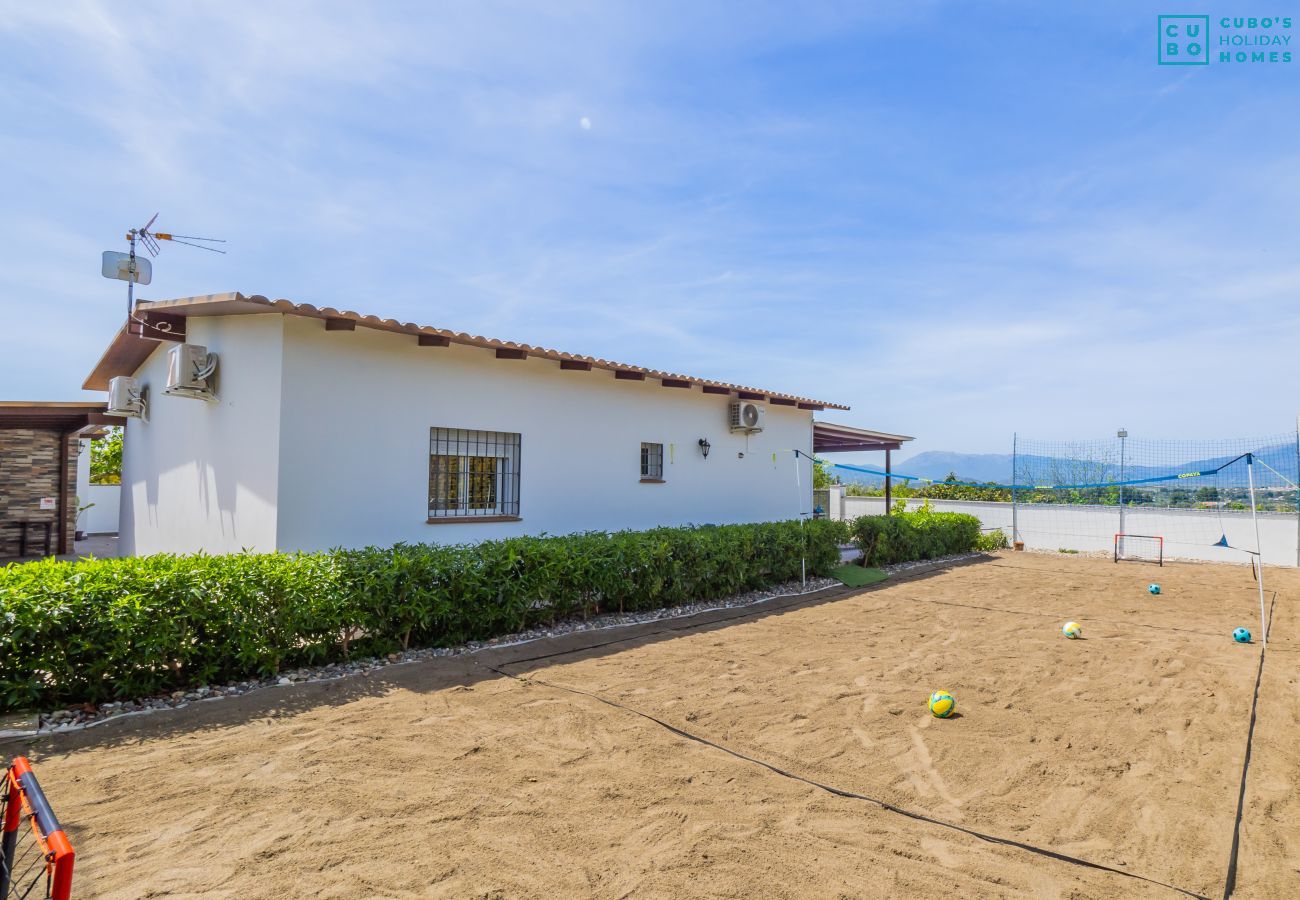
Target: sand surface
[(446, 778)]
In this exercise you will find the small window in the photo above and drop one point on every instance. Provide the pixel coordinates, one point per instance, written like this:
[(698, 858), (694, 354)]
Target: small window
[(652, 462), (473, 473)]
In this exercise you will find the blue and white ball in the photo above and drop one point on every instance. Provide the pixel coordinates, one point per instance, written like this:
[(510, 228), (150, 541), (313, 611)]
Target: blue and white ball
[(942, 704), (1241, 635), (1153, 588)]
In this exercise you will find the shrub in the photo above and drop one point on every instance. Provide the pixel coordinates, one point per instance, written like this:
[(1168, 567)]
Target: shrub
[(94, 630), (992, 540), (920, 534)]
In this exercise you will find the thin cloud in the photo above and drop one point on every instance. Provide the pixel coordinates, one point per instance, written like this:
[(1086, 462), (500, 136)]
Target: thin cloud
[(852, 202)]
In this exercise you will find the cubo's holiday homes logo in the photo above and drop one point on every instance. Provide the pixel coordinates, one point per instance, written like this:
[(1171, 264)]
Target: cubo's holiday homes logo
[(1187, 41), (1183, 40)]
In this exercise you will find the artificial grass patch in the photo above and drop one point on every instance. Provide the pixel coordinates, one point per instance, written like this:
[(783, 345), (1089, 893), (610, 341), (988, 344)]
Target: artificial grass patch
[(854, 575)]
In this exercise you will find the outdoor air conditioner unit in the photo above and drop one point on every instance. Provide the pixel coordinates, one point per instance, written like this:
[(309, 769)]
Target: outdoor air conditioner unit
[(190, 372), (746, 417), (126, 398)]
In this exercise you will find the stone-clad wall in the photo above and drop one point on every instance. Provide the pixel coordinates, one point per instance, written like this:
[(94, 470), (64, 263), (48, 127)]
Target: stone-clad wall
[(29, 470)]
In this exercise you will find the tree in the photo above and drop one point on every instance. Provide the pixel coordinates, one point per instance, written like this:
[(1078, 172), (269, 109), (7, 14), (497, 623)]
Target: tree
[(821, 478), (952, 489), (106, 458)]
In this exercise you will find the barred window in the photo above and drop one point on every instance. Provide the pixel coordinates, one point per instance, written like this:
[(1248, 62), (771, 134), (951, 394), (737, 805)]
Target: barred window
[(652, 462), (473, 473)]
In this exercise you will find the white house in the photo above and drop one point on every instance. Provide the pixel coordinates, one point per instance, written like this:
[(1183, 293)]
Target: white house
[(324, 428)]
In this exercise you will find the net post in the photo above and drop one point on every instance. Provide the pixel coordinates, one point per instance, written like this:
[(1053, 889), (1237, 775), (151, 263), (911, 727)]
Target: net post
[(24, 798), (803, 538), (1259, 550), (9, 841), (63, 858), (803, 560), (1015, 511), (889, 482), (1122, 434)]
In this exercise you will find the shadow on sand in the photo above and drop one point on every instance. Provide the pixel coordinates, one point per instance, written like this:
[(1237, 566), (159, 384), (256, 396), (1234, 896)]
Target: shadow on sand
[(430, 675)]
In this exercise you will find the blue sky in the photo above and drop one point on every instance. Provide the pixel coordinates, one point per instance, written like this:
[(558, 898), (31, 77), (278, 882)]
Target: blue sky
[(962, 219)]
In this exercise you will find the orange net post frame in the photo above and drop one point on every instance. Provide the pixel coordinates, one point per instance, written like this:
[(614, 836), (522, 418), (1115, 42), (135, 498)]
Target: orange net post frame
[(39, 852)]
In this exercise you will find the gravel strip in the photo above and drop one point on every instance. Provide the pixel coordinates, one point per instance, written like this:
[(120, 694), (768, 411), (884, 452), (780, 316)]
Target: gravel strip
[(77, 717), (1089, 554), (937, 563)]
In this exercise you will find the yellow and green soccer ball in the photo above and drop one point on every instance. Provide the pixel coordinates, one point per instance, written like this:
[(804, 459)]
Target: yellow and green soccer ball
[(942, 704), (1072, 630)]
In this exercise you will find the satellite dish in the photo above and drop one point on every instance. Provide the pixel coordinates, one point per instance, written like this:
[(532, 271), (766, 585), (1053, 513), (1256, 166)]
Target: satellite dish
[(118, 265)]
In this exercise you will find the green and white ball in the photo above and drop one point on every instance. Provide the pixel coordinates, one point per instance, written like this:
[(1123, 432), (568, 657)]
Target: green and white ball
[(1072, 630)]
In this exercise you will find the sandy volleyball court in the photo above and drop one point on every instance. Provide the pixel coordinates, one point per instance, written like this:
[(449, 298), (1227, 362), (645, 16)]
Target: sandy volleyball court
[(448, 778)]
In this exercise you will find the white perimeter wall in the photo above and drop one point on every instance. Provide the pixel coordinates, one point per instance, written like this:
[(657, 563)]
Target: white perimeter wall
[(354, 451), (204, 476), (102, 518), (1188, 534)]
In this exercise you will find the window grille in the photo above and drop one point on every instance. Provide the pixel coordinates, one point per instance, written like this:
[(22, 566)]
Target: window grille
[(652, 461), (473, 473)]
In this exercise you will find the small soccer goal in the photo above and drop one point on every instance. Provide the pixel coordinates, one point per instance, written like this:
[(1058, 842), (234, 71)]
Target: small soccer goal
[(35, 856), (1140, 548)]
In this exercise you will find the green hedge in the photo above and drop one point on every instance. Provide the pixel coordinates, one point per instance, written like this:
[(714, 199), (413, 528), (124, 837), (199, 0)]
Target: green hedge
[(96, 630), (920, 534)]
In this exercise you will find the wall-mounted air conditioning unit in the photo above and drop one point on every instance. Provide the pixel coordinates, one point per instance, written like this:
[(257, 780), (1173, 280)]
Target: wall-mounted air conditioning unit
[(746, 417), (191, 372), (126, 398)]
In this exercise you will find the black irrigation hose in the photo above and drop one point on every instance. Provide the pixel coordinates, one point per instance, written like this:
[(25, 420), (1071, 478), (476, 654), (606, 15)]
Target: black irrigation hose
[(851, 795), (1231, 881)]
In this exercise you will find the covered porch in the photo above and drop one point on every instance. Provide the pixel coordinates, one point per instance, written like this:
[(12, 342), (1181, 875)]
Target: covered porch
[(38, 474), (831, 438)]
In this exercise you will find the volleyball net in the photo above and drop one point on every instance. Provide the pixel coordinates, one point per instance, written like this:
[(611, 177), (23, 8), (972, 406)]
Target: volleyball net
[(1133, 497), (1228, 500)]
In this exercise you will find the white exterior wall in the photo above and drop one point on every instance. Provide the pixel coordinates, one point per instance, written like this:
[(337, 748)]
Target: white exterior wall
[(1188, 534), (204, 476), (357, 407), (102, 518)]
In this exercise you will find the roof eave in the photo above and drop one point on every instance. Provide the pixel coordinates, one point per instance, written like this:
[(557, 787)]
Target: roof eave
[(128, 351), (123, 356), (65, 416)]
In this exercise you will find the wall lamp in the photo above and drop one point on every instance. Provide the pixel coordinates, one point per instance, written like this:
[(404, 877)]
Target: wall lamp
[(705, 447)]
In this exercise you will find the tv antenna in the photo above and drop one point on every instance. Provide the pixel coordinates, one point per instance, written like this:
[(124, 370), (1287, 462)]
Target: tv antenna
[(135, 270)]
